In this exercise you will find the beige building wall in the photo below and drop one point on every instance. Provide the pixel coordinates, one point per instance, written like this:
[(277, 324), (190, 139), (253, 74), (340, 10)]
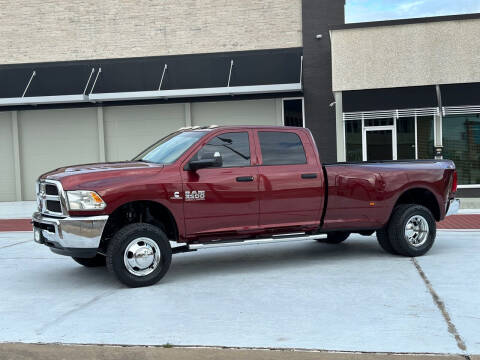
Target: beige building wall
[(53, 138), (56, 30), (131, 129), (7, 165), (244, 112), (406, 55)]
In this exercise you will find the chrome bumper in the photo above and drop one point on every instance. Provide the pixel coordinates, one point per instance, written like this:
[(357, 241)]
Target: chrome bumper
[(453, 207), (69, 232)]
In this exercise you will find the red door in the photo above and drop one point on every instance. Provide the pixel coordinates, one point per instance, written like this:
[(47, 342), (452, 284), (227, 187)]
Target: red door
[(291, 189), (223, 200)]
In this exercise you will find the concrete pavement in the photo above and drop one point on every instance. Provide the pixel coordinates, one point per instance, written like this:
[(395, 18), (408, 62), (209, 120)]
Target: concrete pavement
[(348, 297)]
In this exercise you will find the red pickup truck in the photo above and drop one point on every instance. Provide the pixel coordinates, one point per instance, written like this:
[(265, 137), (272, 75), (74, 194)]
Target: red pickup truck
[(216, 186)]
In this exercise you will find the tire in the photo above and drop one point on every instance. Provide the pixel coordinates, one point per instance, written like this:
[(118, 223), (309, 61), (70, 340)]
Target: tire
[(384, 241), (97, 261), (335, 237), (411, 230), (139, 255)]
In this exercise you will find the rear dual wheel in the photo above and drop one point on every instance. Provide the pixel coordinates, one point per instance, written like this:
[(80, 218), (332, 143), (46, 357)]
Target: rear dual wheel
[(411, 231)]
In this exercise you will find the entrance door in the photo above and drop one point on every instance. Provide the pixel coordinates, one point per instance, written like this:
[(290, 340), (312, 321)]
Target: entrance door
[(379, 143)]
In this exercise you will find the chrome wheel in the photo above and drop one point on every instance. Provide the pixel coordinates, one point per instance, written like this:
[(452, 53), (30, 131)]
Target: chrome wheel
[(416, 231), (142, 256)]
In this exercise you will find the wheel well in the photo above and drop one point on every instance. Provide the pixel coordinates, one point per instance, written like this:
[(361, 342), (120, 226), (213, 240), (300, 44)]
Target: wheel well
[(149, 212), (421, 197)]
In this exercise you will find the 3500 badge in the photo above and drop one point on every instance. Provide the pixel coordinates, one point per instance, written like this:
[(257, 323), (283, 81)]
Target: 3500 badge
[(195, 195), (190, 195)]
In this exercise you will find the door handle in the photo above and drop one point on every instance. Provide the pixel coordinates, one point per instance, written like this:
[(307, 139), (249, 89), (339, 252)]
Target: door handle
[(309, 176), (244, 178)]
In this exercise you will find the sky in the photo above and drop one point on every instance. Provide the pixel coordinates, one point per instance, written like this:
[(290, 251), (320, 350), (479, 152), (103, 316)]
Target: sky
[(373, 10)]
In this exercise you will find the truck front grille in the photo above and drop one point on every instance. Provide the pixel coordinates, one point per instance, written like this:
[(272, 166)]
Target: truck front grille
[(49, 198), (51, 189), (54, 206)]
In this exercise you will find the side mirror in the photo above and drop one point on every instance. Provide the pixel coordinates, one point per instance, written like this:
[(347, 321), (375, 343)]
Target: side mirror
[(208, 160)]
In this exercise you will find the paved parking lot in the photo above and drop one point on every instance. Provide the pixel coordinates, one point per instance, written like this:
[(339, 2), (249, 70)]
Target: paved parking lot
[(348, 297)]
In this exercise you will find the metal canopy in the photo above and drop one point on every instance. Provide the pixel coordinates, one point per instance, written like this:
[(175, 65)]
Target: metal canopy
[(168, 77), (40, 100), (183, 93)]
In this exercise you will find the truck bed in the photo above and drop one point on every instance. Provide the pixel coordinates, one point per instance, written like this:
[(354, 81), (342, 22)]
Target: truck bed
[(361, 195)]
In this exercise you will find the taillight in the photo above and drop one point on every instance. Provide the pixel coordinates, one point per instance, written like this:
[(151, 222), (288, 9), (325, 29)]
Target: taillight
[(454, 182)]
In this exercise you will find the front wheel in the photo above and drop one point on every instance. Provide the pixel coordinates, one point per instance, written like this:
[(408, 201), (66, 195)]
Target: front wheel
[(335, 237), (411, 230), (139, 255)]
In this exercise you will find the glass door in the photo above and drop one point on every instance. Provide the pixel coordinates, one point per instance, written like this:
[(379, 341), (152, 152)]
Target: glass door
[(379, 143)]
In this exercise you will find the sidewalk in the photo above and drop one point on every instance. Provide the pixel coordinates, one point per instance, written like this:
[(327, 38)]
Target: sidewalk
[(15, 216)]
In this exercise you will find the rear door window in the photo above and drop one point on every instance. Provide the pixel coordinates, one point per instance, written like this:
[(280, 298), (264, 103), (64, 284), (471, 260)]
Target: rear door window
[(281, 148)]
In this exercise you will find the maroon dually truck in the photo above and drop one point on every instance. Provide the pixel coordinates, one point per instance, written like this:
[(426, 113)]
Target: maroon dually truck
[(216, 186)]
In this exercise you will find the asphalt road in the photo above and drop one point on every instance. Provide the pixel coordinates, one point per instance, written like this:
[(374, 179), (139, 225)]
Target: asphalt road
[(304, 295)]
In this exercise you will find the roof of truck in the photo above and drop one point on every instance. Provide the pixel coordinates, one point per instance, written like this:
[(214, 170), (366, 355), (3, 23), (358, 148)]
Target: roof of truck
[(233, 127)]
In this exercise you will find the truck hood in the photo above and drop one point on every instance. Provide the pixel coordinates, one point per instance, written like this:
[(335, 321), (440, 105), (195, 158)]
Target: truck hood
[(97, 175)]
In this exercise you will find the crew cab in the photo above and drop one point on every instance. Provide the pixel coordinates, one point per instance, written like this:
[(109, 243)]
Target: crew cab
[(212, 186)]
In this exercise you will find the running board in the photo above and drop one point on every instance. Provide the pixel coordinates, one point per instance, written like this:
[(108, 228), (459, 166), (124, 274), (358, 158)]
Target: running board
[(272, 240)]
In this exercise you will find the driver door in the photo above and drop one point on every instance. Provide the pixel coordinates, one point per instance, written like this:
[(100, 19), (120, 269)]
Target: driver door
[(222, 200)]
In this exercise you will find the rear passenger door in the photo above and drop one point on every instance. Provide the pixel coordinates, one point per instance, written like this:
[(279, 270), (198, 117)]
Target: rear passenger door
[(290, 180)]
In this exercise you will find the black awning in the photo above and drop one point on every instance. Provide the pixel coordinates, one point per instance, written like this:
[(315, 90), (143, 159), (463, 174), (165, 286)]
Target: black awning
[(460, 94), (197, 71), (389, 99)]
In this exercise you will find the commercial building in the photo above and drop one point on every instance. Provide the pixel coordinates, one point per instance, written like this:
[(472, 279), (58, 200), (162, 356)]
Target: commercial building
[(103, 80), (410, 89)]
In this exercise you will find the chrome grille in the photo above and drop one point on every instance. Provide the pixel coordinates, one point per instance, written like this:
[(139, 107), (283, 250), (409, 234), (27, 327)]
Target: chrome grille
[(50, 198)]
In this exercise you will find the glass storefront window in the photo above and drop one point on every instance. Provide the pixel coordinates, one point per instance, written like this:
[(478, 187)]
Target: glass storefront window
[(379, 122), (353, 138), (406, 138), (461, 143), (425, 137)]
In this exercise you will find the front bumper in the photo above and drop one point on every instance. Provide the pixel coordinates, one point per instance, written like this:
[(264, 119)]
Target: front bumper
[(453, 207), (71, 236)]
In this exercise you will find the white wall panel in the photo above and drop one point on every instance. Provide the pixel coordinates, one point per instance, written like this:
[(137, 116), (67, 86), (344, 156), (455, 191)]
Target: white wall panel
[(131, 129), (7, 169), (54, 138), (242, 112)]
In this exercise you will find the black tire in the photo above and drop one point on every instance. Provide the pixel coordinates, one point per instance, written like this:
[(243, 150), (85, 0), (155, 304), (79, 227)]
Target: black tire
[(335, 237), (397, 234), (366, 232), (384, 241), (97, 261), (118, 245)]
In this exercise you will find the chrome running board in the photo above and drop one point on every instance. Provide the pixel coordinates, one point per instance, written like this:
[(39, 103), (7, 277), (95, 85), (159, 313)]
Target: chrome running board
[(272, 240)]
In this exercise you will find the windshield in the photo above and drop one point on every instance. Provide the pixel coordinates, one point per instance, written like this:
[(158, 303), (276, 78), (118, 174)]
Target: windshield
[(170, 148)]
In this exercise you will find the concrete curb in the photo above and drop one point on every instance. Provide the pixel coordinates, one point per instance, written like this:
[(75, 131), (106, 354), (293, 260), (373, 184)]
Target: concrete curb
[(21, 351)]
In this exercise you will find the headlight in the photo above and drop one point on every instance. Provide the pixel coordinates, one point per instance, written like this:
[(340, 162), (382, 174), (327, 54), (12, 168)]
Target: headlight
[(85, 200)]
